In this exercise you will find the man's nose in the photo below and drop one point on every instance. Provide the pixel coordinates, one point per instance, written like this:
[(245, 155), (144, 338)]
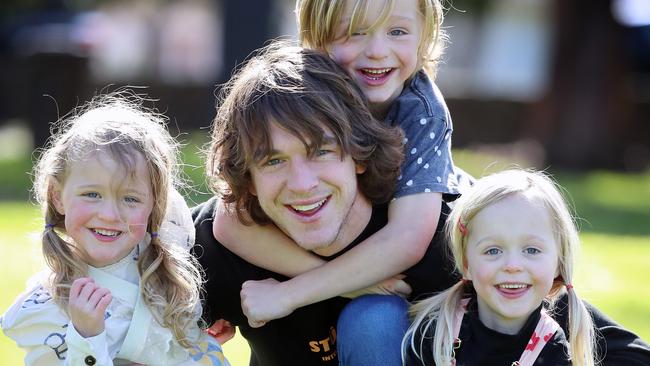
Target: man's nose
[(303, 176)]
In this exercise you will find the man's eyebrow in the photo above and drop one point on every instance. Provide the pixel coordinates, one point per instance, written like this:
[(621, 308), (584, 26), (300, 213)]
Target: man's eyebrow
[(329, 140)]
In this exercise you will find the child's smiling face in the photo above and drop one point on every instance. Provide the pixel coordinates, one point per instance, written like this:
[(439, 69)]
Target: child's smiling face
[(380, 57), (512, 260), (106, 211)]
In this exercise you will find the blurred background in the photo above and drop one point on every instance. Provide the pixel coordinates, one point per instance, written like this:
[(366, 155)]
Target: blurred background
[(551, 84), (564, 83)]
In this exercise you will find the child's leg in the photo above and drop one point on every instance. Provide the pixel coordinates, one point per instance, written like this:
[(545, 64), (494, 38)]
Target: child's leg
[(370, 331)]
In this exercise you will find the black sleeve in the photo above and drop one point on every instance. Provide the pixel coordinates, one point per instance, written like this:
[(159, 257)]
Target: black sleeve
[(220, 295), (436, 271), (616, 345)]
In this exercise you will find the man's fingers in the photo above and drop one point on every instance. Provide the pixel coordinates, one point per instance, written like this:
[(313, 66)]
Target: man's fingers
[(255, 323), (402, 288)]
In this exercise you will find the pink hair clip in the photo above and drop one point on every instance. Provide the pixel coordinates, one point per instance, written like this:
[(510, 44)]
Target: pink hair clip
[(462, 228), (569, 286)]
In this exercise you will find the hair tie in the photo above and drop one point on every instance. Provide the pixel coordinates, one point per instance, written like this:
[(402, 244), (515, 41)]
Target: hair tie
[(462, 228), (568, 286), (49, 226), (154, 234)]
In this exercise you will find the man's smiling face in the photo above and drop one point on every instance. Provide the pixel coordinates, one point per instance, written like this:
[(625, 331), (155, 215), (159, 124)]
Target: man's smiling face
[(308, 196)]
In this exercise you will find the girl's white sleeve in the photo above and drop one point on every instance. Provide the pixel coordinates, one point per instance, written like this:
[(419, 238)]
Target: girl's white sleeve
[(86, 351), (38, 326)]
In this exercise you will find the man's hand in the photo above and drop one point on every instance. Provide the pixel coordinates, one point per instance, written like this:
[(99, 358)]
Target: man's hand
[(390, 286), (263, 301), (87, 306)]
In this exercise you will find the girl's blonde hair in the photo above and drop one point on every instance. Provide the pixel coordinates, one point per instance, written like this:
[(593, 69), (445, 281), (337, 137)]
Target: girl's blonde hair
[(119, 125), (440, 309), (318, 21)]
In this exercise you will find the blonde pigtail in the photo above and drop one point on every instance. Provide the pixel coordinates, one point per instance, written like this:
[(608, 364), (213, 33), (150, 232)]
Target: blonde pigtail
[(170, 283), (581, 332), (439, 309)]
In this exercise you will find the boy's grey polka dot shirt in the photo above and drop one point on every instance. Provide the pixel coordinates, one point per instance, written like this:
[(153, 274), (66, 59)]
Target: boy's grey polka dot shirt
[(423, 115)]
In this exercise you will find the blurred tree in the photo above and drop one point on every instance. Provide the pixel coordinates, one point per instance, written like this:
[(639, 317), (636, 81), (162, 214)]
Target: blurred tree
[(247, 27), (585, 117)]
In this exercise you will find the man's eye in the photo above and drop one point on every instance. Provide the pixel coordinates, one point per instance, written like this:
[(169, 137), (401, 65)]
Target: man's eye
[(272, 162)]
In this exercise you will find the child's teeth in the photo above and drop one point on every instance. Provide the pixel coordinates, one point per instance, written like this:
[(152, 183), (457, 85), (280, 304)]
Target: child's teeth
[(513, 285), (376, 71), (107, 232), (308, 207)]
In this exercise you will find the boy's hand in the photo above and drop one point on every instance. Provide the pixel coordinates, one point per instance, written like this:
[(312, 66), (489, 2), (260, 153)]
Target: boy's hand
[(87, 306), (263, 301), (391, 286)]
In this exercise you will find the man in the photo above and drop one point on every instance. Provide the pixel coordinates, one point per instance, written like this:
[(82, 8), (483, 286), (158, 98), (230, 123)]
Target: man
[(291, 124), (292, 127)]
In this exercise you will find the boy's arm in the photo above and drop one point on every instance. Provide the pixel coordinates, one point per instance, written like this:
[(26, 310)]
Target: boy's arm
[(263, 246), (412, 221)]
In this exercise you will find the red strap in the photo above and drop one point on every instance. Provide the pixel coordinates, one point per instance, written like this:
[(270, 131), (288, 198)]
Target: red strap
[(544, 331)]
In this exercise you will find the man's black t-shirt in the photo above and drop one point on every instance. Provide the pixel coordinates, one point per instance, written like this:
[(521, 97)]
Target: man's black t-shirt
[(308, 335)]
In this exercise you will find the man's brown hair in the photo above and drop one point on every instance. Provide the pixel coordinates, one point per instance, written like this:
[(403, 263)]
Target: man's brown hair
[(305, 93)]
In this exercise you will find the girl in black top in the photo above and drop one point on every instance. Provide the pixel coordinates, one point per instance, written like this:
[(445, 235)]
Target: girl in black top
[(513, 240)]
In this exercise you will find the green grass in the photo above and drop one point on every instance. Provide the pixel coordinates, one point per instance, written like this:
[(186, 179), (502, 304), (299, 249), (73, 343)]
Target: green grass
[(612, 271)]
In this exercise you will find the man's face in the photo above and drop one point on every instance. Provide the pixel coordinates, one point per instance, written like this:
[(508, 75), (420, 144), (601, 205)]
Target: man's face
[(310, 198)]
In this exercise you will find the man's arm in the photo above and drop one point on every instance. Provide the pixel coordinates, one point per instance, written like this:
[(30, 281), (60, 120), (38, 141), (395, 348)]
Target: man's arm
[(616, 345), (412, 221)]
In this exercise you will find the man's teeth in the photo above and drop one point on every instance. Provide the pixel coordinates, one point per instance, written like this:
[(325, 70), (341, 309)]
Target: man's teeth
[(376, 71), (107, 232), (308, 207), (513, 285)]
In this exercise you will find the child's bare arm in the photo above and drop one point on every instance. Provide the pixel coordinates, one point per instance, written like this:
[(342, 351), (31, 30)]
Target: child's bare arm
[(263, 246), (393, 249)]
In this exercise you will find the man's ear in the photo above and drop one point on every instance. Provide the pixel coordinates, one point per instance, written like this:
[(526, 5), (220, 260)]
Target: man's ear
[(359, 168), (55, 196)]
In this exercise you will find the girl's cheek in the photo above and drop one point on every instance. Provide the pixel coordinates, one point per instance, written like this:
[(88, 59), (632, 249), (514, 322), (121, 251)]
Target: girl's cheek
[(139, 222)]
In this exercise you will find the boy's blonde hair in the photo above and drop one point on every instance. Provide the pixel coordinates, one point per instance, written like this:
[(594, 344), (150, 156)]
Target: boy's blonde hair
[(318, 21), (440, 308), (118, 124)]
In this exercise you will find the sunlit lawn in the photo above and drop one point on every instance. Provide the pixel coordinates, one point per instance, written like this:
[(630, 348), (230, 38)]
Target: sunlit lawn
[(612, 273)]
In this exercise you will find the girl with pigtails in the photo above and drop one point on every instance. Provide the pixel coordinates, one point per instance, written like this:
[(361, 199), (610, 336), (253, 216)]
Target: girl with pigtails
[(121, 287), (513, 240)]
